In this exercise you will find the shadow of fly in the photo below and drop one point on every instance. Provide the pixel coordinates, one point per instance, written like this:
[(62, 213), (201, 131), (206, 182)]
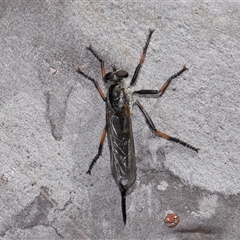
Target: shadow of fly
[(119, 101)]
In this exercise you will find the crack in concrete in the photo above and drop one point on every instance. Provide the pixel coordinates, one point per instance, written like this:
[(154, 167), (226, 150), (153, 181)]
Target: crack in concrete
[(57, 117)]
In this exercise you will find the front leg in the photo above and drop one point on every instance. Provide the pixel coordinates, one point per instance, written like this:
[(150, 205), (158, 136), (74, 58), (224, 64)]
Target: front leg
[(138, 68), (99, 59)]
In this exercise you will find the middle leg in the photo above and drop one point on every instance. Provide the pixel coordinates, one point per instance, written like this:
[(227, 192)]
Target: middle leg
[(79, 70), (161, 91)]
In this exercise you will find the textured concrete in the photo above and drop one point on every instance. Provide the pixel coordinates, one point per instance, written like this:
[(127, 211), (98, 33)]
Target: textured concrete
[(52, 119)]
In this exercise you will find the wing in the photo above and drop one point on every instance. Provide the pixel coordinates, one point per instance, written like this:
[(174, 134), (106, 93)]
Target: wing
[(121, 145)]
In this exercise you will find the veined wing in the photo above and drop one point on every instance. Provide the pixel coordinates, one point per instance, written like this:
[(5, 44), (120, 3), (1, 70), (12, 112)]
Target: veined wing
[(121, 145)]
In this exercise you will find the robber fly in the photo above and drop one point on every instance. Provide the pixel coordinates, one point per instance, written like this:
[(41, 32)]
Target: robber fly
[(119, 101)]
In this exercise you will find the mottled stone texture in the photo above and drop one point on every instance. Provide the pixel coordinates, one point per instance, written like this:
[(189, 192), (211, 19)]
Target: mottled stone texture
[(51, 119)]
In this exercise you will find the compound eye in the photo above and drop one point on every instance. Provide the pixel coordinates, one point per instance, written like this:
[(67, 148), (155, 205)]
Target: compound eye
[(122, 74), (108, 76)]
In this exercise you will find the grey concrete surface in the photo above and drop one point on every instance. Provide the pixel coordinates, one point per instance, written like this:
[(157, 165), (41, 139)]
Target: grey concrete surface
[(52, 119)]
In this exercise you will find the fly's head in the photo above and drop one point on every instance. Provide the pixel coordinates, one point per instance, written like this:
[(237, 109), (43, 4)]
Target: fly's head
[(116, 76)]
